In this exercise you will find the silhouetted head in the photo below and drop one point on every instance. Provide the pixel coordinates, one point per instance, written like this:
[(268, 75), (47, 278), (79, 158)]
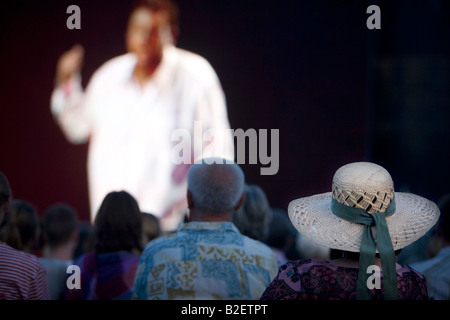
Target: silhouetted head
[(253, 217), (60, 224), (216, 189), (152, 25), (5, 195), (443, 226), (118, 224)]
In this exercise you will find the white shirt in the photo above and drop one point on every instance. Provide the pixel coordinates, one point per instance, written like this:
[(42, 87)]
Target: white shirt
[(130, 127)]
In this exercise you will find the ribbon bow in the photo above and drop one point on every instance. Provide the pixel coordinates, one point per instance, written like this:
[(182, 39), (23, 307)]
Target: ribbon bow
[(369, 246)]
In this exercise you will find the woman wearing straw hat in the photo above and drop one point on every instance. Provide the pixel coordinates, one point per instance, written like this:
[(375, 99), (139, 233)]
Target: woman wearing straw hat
[(365, 219)]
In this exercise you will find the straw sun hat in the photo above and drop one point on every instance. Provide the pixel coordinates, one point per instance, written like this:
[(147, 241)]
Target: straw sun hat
[(369, 187)]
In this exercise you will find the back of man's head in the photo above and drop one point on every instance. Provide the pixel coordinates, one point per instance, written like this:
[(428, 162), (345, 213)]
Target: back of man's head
[(215, 185), (59, 222)]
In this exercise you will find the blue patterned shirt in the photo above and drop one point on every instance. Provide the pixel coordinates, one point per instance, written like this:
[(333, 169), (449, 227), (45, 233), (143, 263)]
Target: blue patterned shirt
[(437, 273), (205, 260)]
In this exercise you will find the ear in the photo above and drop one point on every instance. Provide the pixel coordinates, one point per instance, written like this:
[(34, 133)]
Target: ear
[(240, 202), (190, 200)]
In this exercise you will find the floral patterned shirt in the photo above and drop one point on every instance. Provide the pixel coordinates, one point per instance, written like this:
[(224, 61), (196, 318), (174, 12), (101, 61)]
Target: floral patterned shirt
[(311, 279), (205, 260)]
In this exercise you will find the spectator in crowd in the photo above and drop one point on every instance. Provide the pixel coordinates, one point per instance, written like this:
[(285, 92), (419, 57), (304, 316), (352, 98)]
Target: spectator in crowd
[(22, 277), (151, 227), (207, 258), (282, 235), (61, 234), (362, 200), (107, 272), (9, 232), (308, 249), (437, 269), (25, 218), (85, 238), (253, 217)]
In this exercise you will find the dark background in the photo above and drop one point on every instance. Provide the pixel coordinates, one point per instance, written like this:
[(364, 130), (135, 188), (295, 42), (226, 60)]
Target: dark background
[(337, 91)]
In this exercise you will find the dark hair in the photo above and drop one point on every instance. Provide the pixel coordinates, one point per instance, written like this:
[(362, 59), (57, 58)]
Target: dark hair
[(9, 233), (253, 217), (444, 219), (162, 5), (59, 222), (24, 216), (5, 189), (118, 224), (281, 230), (151, 226)]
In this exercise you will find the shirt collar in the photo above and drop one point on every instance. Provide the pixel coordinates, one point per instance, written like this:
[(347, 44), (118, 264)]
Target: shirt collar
[(197, 225)]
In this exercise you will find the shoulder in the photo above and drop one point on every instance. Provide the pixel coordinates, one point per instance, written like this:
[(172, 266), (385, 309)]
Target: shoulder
[(257, 245), (411, 284), (409, 272), (13, 261), (194, 65), (162, 242), (19, 260), (116, 69), (85, 258)]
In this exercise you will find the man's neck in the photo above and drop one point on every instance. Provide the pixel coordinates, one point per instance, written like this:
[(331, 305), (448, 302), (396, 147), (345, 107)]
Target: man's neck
[(144, 74), (63, 252), (200, 215)]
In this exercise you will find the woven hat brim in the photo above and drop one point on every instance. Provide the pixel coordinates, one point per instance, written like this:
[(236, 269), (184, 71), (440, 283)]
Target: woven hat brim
[(313, 218)]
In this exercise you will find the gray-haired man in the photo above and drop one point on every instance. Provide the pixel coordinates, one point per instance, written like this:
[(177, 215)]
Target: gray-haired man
[(207, 258)]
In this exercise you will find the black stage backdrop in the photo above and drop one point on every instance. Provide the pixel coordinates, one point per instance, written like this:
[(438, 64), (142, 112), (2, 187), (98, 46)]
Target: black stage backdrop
[(336, 91)]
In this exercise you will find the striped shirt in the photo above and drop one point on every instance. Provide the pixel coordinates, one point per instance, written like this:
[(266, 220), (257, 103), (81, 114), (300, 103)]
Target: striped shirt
[(437, 273), (22, 277)]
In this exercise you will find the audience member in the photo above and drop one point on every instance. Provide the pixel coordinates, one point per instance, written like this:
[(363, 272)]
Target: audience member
[(85, 238), (420, 250), (9, 233), (310, 250), (61, 234), (437, 269), (207, 257), (151, 227), (282, 235), (108, 271), (362, 198), (22, 277), (25, 218), (253, 217)]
